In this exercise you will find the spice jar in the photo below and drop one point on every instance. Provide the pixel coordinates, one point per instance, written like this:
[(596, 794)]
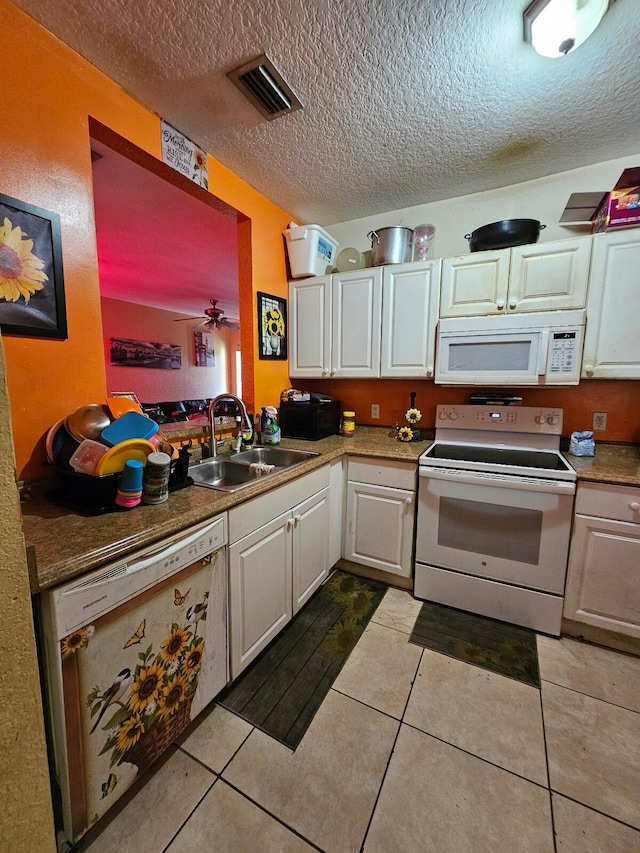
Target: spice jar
[(348, 423)]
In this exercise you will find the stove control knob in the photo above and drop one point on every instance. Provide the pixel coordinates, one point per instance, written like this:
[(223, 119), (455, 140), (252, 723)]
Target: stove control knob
[(540, 419), (443, 415), (553, 420), (453, 416)]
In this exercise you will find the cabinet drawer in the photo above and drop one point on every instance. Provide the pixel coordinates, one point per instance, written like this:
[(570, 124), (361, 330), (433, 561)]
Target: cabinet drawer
[(607, 501), (383, 472), (249, 516)]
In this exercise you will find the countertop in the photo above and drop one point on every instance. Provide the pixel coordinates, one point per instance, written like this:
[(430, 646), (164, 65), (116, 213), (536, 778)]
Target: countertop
[(63, 544), (613, 463)]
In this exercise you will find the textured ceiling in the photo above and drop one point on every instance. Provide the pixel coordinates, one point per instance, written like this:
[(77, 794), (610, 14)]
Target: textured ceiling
[(406, 101)]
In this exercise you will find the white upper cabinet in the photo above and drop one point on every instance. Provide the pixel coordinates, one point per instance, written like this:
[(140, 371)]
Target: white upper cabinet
[(310, 327), (335, 325), (612, 339), (355, 333), (410, 295), (365, 323), (535, 277), (474, 285)]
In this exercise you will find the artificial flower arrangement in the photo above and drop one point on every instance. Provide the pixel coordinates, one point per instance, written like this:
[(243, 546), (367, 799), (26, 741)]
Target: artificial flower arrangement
[(413, 417)]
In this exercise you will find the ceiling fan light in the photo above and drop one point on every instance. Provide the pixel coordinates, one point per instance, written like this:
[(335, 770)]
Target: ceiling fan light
[(556, 27)]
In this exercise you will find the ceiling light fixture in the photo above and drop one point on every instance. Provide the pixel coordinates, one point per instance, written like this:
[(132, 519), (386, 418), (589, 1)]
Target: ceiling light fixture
[(555, 27)]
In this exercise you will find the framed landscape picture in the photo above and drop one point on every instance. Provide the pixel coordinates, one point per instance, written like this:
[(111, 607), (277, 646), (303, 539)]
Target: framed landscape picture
[(31, 279)]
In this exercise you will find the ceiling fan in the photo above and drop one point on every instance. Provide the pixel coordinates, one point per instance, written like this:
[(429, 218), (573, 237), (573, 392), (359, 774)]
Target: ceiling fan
[(213, 319)]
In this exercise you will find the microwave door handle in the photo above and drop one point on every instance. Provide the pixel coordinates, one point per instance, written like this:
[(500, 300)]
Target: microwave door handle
[(542, 352)]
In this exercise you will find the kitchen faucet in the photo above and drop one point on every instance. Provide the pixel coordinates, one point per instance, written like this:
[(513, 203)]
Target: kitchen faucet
[(212, 426)]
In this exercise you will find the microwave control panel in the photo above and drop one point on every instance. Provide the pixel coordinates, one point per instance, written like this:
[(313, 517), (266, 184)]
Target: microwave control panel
[(563, 352), (505, 418)]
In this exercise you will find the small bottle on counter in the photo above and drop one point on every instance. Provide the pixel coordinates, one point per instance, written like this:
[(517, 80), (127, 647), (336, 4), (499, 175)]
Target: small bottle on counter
[(348, 423), (155, 483)]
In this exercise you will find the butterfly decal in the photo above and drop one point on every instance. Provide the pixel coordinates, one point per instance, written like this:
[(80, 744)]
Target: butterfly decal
[(137, 637), (109, 785), (178, 598)]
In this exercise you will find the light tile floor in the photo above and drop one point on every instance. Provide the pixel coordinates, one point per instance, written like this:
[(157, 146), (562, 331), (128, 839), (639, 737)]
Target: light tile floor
[(411, 751)]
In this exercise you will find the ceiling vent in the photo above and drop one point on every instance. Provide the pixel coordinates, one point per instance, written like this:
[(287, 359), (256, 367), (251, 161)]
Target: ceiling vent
[(265, 87)]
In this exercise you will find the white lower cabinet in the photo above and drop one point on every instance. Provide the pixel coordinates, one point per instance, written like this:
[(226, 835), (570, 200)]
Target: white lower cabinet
[(380, 515), (277, 559), (603, 579)]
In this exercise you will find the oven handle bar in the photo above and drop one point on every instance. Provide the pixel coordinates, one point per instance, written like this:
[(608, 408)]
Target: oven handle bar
[(499, 481)]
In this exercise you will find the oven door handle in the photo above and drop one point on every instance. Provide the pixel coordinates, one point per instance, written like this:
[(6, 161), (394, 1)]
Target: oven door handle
[(498, 481)]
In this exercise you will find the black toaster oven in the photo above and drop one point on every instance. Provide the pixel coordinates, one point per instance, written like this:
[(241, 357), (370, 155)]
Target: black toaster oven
[(311, 420)]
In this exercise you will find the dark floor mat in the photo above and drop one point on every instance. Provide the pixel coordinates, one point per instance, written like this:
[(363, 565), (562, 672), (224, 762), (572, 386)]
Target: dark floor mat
[(282, 690), (497, 646)]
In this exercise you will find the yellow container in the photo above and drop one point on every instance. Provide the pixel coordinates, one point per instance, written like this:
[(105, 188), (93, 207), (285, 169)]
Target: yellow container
[(348, 423)]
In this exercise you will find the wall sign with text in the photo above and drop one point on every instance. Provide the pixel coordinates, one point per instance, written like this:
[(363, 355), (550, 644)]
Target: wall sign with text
[(183, 155)]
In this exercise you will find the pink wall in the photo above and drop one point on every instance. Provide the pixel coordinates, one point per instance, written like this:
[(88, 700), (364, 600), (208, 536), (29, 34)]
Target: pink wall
[(151, 385)]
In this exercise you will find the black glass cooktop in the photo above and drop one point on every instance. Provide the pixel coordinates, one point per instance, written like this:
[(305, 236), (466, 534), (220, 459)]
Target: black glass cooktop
[(541, 459)]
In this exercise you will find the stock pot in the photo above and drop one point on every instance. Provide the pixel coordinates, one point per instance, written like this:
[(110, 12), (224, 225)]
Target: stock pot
[(392, 245)]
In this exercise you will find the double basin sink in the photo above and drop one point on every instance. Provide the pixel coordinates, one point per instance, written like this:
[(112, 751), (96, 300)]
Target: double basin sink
[(227, 474)]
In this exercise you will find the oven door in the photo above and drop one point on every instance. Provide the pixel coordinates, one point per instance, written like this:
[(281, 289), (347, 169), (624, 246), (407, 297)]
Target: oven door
[(495, 526)]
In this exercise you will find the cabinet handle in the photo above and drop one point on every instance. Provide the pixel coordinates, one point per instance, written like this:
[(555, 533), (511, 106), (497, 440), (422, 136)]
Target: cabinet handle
[(408, 501), (289, 524), (588, 369), (635, 506), (297, 519), (331, 372), (430, 370), (513, 303), (500, 304), (324, 372)]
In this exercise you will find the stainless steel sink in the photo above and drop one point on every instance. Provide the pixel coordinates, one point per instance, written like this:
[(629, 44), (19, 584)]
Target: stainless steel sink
[(228, 474), (279, 456), (220, 474)]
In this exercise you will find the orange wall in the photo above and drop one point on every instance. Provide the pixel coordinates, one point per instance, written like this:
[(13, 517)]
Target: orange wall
[(49, 92), (620, 399)]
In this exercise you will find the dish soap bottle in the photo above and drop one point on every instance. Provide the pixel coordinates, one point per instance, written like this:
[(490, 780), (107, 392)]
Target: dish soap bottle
[(269, 425)]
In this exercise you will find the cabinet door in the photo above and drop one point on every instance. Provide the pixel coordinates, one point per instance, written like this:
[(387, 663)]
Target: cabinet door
[(310, 546), (549, 276), (603, 580), (476, 284), (410, 295), (357, 303), (612, 342), (310, 327), (379, 529), (259, 589)]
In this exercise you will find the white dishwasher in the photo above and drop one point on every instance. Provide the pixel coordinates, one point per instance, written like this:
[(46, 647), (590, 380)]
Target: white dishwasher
[(132, 653)]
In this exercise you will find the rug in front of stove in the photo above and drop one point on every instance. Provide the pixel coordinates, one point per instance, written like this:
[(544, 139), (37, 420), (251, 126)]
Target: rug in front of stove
[(282, 690), (497, 646)]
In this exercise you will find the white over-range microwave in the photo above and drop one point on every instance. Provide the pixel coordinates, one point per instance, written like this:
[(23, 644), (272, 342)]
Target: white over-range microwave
[(542, 348)]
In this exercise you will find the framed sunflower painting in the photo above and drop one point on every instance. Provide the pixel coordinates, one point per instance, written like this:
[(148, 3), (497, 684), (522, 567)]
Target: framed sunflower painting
[(31, 280), (272, 327)]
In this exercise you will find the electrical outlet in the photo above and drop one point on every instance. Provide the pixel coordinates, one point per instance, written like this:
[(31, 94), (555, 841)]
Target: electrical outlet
[(599, 421), (375, 410)]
